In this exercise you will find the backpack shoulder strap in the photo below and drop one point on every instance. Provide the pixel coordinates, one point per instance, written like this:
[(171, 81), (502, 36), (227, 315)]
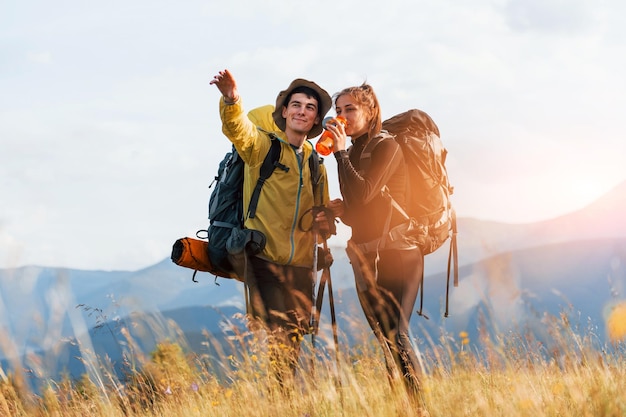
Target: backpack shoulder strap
[(270, 163), (366, 155), (314, 166)]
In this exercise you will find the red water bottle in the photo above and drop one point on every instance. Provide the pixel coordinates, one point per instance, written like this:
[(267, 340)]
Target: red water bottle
[(324, 145)]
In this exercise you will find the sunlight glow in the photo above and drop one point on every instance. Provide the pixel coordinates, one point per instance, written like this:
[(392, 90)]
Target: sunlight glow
[(616, 323)]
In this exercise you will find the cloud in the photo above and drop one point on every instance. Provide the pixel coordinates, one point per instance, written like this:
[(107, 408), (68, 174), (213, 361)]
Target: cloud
[(40, 57), (110, 135), (551, 16)]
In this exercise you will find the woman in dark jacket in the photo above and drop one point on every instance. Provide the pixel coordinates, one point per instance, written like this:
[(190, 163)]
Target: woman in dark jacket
[(387, 272)]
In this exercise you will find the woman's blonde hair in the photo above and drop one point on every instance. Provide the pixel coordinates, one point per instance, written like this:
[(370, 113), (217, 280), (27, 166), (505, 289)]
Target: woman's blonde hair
[(364, 95)]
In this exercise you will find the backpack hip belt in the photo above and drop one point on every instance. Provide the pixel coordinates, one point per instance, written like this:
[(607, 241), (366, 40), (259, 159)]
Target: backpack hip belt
[(404, 236)]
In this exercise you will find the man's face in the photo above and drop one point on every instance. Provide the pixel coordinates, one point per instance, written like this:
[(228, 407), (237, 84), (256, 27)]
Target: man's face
[(300, 113)]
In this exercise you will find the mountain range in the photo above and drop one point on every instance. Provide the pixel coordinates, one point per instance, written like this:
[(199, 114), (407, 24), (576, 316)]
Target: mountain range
[(517, 273)]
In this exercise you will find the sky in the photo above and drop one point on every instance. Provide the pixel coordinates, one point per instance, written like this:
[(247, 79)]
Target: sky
[(110, 132)]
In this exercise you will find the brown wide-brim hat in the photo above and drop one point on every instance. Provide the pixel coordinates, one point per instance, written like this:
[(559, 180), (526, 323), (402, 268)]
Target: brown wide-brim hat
[(324, 105)]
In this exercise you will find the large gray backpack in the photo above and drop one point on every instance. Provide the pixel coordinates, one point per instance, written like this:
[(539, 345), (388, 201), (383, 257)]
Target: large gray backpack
[(428, 203)]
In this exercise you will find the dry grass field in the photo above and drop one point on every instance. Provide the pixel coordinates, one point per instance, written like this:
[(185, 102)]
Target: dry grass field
[(502, 375)]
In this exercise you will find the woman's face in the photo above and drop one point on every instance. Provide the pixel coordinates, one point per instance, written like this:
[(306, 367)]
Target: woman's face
[(354, 113)]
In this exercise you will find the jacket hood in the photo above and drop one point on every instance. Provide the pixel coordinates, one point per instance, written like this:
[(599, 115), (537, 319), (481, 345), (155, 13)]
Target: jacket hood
[(262, 117)]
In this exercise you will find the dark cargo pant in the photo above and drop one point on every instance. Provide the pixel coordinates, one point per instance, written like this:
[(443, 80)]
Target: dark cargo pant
[(281, 297), (388, 304)]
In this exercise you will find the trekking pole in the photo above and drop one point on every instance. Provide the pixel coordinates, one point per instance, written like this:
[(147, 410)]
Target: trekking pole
[(315, 311), (317, 307), (326, 280), (331, 302), (318, 188), (318, 300)]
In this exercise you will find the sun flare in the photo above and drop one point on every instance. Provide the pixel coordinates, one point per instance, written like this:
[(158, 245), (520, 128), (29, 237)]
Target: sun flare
[(616, 323)]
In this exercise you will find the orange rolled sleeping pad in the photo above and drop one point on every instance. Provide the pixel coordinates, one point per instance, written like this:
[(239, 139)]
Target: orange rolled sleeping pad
[(192, 253)]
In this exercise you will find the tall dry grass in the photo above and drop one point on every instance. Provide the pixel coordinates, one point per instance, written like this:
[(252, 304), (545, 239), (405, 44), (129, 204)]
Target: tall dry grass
[(509, 374)]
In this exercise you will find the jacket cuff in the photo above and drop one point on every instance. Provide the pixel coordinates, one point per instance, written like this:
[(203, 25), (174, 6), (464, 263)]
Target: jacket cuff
[(230, 103)]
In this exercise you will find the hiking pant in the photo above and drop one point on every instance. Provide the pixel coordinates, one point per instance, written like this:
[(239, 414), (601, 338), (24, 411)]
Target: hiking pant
[(388, 306), (281, 296)]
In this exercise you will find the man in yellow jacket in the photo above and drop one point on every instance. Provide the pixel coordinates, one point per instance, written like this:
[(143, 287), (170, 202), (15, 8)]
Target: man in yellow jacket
[(282, 273)]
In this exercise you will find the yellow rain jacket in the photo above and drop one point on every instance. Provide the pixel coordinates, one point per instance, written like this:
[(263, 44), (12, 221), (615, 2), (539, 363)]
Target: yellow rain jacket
[(286, 197)]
